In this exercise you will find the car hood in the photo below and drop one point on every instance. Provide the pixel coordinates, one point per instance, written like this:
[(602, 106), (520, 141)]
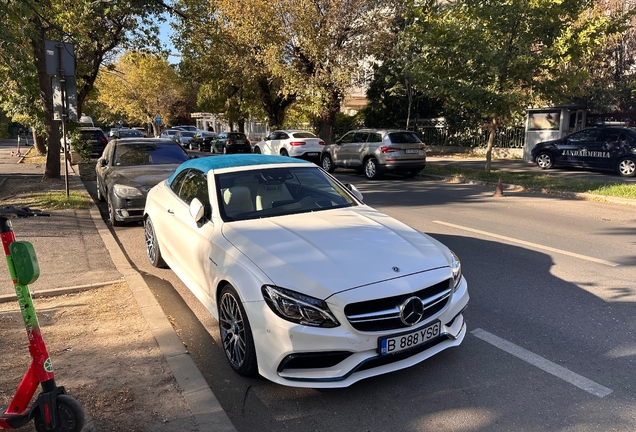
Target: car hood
[(323, 253), (142, 177)]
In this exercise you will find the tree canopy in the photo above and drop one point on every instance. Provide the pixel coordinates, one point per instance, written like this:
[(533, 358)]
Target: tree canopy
[(138, 86), (488, 60)]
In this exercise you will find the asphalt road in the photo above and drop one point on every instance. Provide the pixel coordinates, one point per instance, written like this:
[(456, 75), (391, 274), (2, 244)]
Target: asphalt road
[(552, 323)]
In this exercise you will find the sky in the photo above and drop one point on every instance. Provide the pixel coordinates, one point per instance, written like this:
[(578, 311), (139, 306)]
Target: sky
[(164, 34)]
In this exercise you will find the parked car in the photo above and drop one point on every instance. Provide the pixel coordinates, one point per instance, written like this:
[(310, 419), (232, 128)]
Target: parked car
[(183, 137), (168, 133), (186, 127), (142, 130), (294, 143), (95, 137), (202, 141), (126, 133), (310, 287), (376, 151), (603, 148), (128, 168), (231, 142)]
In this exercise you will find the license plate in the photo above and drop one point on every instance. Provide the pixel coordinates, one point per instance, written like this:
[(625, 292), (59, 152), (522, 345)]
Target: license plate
[(394, 344), (411, 151), (312, 154), (240, 142)]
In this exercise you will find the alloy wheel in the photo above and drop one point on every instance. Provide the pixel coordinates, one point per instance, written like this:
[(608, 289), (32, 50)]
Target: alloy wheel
[(232, 327)]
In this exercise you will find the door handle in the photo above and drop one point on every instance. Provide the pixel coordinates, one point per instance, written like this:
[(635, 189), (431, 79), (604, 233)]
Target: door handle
[(171, 212)]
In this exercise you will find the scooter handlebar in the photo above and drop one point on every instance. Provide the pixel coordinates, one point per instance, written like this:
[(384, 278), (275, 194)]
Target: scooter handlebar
[(20, 212)]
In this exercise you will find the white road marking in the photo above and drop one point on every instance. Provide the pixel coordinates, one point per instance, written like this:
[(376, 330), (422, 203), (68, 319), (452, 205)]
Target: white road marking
[(529, 244), (543, 364)]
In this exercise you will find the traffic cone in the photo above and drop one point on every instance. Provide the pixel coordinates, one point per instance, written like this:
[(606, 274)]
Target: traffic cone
[(499, 189)]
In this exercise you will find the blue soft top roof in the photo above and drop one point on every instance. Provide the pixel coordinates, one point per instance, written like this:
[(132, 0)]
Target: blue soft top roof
[(208, 163)]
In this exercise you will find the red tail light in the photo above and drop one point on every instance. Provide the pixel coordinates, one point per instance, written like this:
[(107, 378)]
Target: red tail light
[(389, 149), (321, 143), (229, 142), (297, 143), (103, 140), (249, 142)]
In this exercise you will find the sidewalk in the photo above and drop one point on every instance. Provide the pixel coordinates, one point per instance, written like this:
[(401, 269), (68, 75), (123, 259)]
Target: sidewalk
[(76, 251)]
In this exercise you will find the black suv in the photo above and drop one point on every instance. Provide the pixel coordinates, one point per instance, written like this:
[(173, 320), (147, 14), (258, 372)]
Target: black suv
[(231, 142), (602, 148)]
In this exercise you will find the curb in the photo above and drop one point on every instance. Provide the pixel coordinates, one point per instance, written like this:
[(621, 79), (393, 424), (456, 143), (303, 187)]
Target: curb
[(5, 298), (575, 195), (205, 407)]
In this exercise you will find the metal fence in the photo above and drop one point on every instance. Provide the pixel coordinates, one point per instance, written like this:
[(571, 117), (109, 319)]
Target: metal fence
[(436, 132)]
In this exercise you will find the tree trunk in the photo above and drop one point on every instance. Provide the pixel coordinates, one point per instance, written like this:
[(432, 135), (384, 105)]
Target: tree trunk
[(52, 169), (241, 125), (38, 143), (274, 104), (328, 116), (409, 96), (492, 128)]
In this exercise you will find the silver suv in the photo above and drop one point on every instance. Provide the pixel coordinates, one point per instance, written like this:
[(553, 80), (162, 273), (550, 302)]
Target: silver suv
[(376, 151)]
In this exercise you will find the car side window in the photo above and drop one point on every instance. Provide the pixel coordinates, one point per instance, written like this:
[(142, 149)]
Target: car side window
[(612, 136), (348, 138), (584, 135), (375, 137), (361, 137), (283, 136), (191, 184)]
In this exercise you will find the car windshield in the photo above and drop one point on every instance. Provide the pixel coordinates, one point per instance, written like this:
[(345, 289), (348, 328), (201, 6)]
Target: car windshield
[(270, 192), (187, 134), (94, 135), (404, 138), (170, 132), (303, 135), (236, 136), (149, 154)]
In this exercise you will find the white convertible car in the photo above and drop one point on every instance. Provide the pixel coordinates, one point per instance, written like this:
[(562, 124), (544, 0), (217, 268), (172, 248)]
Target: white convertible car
[(311, 287)]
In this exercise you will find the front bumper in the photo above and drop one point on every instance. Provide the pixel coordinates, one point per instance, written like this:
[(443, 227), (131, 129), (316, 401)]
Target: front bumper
[(128, 209), (304, 356)]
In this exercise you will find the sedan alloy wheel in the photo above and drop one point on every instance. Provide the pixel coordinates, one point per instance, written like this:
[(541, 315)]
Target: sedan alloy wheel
[(152, 245), (236, 334)]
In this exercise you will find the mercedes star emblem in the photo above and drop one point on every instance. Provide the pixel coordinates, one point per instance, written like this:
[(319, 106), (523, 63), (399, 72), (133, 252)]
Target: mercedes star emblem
[(411, 311)]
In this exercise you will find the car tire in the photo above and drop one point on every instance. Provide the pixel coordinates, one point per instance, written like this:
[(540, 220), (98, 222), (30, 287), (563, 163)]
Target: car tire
[(371, 169), (100, 197), (626, 167), (327, 164), (544, 160), (236, 333), (152, 245), (111, 214), (257, 150), (283, 152)]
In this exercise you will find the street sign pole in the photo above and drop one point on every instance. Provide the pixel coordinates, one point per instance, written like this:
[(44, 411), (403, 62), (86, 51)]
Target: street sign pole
[(63, 91)]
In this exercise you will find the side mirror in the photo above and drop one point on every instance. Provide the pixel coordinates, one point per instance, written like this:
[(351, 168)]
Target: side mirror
[(197, 210), (354, 190), (103, 162)]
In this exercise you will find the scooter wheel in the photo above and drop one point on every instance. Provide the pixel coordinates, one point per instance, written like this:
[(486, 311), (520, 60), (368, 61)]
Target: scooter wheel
[(71, 416)]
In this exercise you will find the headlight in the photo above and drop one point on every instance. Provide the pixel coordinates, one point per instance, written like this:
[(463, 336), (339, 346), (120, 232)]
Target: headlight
[(126, 191), (456, 269), (298, 308)]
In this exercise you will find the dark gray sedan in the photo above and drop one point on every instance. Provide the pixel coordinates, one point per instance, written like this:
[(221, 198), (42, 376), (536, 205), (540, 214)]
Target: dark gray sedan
[(128, 168)]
